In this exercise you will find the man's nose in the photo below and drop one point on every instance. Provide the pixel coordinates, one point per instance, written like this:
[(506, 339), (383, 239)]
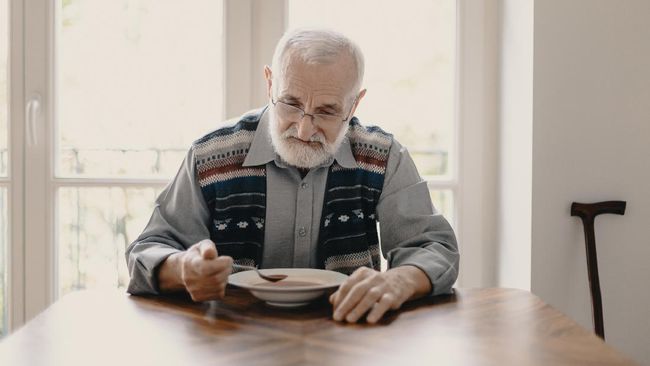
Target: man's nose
[(306, 128)]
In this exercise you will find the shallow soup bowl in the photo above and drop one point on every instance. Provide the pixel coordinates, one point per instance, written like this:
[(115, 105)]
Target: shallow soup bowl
[(301, 286)]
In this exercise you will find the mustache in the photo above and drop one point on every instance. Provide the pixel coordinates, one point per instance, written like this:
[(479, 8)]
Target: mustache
[(293, 132)]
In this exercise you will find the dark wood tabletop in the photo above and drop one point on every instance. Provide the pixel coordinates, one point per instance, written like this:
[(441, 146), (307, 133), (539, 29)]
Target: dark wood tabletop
[(470, 327)]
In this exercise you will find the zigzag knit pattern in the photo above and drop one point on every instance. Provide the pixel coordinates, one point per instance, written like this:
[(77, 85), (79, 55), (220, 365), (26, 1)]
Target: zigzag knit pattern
[(236, 195), (348, 235)]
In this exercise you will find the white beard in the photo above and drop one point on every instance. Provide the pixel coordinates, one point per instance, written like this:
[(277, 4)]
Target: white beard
[(300, 154)]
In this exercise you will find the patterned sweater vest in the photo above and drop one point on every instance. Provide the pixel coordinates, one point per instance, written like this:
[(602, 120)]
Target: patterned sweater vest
[(236, 197)]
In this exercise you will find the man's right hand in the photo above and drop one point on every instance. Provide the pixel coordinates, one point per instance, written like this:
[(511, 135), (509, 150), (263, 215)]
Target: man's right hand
[(199, 270), (204, 273)]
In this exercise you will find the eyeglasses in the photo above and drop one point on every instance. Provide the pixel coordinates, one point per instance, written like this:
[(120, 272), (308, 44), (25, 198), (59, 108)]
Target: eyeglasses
[(321, 120)]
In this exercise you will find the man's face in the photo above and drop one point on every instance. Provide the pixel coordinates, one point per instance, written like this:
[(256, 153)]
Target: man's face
[(316, 89)]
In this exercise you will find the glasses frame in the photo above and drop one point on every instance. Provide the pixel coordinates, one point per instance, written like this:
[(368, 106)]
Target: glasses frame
[(313, 115)]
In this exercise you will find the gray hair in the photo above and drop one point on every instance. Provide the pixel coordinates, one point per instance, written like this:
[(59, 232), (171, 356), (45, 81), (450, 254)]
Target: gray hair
[(317, 46)]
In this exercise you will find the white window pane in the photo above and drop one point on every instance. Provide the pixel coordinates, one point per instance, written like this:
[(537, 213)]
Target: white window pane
[(95, 227), (409, 49), (3, 261), (443, 201), (137, 82), (4, 87)]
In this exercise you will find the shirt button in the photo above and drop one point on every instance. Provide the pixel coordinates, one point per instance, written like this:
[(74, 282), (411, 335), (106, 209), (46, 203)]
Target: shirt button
[(304, 185), (302, 231)]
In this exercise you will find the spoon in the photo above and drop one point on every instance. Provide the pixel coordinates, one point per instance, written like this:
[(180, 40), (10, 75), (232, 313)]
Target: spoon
[(270, 278)]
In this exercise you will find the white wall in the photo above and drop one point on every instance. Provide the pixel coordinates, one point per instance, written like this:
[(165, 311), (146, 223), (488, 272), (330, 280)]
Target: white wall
[(515, 136), (591, 142)]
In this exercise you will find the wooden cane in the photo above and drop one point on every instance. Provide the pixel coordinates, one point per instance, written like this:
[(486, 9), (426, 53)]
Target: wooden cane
[(588, 212)]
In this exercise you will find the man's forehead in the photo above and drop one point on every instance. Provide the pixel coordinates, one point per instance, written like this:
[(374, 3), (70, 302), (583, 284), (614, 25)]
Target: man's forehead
[(337, 77), (295, 90)]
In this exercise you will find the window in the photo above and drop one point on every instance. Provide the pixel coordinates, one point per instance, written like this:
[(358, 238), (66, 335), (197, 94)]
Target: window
[(410, 71), (137, 82), (127, 85)]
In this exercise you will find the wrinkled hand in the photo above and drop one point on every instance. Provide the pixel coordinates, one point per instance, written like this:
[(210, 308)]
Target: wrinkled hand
[(369, 290), (204, 273)]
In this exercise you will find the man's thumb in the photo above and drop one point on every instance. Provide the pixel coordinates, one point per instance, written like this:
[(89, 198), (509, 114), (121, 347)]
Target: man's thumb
[(207, 249)]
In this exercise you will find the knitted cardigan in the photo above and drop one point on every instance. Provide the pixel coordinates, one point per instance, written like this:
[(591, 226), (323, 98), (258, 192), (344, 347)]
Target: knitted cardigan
[(236, 197)]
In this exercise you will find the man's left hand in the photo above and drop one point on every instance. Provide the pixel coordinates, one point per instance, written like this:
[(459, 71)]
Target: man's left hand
[(369, 290)]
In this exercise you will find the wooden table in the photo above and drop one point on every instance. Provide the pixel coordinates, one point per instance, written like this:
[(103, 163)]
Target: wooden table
[(471, 327)]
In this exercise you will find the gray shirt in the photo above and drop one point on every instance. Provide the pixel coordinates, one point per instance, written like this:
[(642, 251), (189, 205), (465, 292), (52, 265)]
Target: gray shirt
[(411, 231)]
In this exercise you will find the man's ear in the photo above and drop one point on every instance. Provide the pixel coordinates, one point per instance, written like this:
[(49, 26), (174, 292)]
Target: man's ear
[(268, 75), (356, 103)]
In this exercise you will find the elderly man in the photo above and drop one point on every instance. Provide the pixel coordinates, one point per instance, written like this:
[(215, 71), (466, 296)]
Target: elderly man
[(300, 183)]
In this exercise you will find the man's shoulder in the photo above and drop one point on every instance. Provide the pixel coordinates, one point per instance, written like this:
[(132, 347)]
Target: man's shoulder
[(242, 124), (234, 131), (361, 135), (356, 124)]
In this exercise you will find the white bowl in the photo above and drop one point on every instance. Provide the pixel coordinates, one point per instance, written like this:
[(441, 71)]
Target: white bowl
[(301, 286)]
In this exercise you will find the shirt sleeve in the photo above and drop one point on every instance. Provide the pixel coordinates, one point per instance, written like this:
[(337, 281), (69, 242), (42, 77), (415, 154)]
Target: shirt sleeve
[(412, 232), (180, 219)]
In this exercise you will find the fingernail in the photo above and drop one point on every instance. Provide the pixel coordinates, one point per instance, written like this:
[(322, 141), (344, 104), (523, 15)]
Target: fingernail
[(337, 316)]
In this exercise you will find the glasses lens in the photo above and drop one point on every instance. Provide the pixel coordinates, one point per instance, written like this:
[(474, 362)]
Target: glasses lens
[(289, 112), (326, 120)]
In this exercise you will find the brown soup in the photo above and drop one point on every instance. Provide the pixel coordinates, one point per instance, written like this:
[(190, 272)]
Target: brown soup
[(287, 283)]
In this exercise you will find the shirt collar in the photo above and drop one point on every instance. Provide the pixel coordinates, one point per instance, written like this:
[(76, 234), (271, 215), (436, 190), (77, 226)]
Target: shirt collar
[(262, 152), (344, 155)]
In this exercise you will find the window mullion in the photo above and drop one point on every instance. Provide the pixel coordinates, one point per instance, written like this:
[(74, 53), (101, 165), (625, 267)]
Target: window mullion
[(268, 25), (252, 28), (108, 182), (237, 59), (441, 185)]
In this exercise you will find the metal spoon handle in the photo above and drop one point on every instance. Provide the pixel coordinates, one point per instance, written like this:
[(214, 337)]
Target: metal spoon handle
[(244, 267), (270, 278)]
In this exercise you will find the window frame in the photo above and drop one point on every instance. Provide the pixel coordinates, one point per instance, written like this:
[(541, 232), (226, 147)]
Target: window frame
[(477, 141), (251, 29), (15, 289)]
